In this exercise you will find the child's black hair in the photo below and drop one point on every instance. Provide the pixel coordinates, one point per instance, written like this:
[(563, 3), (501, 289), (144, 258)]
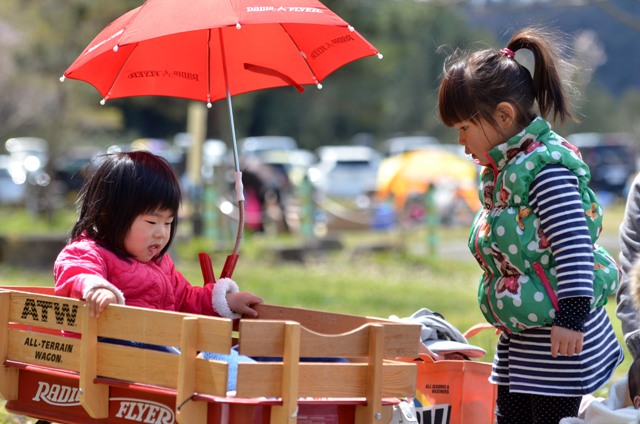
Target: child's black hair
[(473, 84), (124, 186)]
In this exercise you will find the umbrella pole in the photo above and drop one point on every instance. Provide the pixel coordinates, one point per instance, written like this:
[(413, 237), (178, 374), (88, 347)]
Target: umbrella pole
[(230, 263)]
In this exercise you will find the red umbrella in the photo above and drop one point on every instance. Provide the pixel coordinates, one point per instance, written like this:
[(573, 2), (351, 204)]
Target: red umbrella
[(210, 49)]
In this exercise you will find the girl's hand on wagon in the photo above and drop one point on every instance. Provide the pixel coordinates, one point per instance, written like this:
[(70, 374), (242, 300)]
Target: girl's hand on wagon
[(241, 303), (98, 299)]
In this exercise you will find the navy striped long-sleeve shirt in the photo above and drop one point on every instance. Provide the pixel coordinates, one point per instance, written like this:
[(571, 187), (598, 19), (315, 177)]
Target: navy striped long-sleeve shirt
[(556, 201), (523, 360)]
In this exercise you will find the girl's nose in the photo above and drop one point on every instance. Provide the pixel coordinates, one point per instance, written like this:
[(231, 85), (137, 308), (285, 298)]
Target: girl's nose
[(161, 231)]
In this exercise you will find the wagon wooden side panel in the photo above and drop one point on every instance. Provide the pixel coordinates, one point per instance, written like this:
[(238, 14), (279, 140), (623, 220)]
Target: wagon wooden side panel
[(141, 365)]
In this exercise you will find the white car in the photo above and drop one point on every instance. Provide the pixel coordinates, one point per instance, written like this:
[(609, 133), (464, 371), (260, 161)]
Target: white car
[(12, 182), (345, 171), (257, 145), (401, 144)]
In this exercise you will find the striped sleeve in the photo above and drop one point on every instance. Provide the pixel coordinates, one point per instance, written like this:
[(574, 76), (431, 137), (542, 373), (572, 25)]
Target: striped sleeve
[(555, 199)]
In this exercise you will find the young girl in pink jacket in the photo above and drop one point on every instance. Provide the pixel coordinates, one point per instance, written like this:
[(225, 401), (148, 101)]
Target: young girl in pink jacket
[(117, 252)]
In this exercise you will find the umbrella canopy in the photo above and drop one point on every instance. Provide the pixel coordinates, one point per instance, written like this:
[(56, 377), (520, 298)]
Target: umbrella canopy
[(415, 171), (208, 49)]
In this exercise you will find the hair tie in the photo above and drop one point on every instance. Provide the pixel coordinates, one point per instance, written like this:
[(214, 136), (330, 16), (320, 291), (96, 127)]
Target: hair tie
[(508, 52)]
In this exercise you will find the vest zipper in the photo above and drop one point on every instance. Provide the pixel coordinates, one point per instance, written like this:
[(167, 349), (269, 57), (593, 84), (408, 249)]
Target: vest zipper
[(539, 270), (486, 266)]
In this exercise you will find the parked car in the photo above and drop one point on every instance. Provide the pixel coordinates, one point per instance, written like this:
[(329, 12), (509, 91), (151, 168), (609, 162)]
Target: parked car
[(31, 152), (70, 168), (612, 159), (12, 182), (397, 145), (292, 163), (161, 147), (345, 171), (257, 145)]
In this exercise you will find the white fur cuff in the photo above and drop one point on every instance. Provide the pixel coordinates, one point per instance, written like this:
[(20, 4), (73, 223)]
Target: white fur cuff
[(93, 282), (221, 289)]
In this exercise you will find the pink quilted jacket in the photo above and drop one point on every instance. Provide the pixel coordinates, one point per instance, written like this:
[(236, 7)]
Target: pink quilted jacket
[(83, 265)]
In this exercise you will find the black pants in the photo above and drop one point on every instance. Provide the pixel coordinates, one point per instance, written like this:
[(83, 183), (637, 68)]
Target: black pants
[(520, 408)]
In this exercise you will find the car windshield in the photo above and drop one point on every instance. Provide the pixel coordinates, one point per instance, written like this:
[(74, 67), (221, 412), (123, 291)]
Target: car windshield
[(607, 155), (353, 163)]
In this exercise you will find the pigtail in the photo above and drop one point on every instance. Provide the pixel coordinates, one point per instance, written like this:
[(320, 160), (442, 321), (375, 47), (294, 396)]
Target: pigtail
[(549, 88)]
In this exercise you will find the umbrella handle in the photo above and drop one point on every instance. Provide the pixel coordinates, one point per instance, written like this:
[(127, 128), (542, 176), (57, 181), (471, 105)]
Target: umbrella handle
[(240, 199)]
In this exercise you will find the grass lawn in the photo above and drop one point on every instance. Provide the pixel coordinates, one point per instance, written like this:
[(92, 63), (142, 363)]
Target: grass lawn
[(397, 280)]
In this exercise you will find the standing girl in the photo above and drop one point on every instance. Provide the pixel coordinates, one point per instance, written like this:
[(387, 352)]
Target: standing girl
[(545, 280)]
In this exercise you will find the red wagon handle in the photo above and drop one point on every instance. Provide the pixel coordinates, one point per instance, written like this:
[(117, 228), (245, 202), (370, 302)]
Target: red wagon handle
[(207, 267), (229, 266)]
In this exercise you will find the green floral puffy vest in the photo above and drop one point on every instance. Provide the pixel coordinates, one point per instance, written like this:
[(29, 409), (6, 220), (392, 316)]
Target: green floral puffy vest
[(517, 290)]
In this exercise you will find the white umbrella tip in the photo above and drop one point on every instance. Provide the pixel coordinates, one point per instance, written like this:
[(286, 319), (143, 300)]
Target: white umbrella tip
[(102, 102), (380, 56), (351, 28), (209, 105), (319, 86), (62, 78), (115, 48), (238, 26)]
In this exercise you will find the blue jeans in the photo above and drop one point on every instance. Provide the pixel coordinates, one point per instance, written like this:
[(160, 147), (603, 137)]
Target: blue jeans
[(121, 342)]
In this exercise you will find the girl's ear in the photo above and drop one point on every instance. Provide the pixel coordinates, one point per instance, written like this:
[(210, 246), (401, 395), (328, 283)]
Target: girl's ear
[(505, 115), (636, 402)]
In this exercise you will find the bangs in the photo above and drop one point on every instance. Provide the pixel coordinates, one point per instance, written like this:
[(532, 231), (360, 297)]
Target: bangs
[(124, 186), (455, 100), (159, 189), (160, 192)]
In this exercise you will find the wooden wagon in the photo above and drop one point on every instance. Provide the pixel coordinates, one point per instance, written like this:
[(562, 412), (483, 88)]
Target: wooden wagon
[(55, 368)]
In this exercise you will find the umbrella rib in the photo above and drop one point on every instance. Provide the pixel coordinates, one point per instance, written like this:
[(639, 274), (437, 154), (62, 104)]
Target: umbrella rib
[(118, 45), (108, 95), (209, 67), (302, 54)]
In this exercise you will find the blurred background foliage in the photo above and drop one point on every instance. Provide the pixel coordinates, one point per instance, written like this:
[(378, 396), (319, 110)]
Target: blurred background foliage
[(39, 39)]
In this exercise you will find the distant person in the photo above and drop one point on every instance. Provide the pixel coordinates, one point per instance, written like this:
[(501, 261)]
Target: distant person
[(254, 194), (128, 217), (629, 239), (545, 280), (634, 383), (622, 406), (265, 189)]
